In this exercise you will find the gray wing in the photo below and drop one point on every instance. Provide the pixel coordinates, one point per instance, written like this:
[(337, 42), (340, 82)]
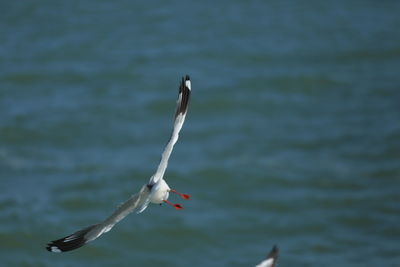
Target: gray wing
[(179, 119), (137, 202)]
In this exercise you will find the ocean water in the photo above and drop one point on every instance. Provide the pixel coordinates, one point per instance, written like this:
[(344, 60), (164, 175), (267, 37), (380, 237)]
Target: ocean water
[(292, 135)]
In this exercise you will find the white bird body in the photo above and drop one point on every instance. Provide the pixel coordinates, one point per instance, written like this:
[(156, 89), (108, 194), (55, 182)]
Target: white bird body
[(160, 192), (156, 191)]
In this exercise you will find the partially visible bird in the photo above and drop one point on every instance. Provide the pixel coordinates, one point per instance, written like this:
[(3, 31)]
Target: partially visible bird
[(271, 259)]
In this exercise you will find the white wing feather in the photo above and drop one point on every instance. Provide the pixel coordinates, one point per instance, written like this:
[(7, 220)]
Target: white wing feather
[(180, 114)]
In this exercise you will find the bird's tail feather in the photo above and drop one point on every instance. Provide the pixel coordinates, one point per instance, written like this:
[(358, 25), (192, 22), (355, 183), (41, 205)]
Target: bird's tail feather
[(76, 240)]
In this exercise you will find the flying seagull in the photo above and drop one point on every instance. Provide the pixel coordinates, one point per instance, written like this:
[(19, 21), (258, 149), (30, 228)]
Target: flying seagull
[(155, 191), (271, 258)]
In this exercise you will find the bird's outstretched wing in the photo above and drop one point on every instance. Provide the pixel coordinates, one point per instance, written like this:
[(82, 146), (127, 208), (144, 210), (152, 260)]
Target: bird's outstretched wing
[(179, 119), (90, 233), (272, 258)]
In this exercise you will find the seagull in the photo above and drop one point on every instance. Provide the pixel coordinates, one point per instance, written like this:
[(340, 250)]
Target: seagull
[(271, 258), (155, 191)]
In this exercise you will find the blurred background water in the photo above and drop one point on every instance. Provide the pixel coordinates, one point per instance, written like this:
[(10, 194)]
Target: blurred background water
[(292, 136)]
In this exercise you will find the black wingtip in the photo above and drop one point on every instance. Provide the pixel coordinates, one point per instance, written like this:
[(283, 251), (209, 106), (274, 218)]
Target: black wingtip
[(273, 254), (184, 92), (71, 242), (61, 245)]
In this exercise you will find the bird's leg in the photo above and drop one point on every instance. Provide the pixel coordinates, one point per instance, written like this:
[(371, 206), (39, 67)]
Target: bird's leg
[(176, 206), (184, 196)]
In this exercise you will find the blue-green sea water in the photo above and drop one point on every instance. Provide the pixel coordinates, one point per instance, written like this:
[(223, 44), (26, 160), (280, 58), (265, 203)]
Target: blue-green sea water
[(292, 136)]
